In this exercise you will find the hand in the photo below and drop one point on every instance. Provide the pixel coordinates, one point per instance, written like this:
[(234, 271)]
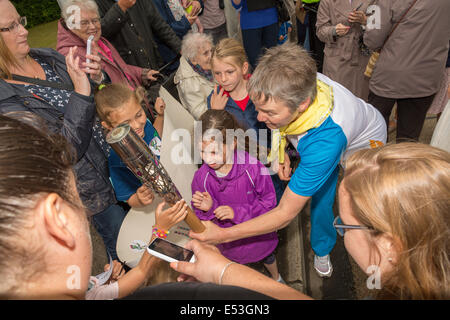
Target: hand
[(118, 270), (218, 100), (284, 169), (208, 265), (151, 75), (93, 68), (79, 78), (212, 233), (145, 195), (168, 218), (202, 200), (192, 19), (196, 7), (341, 29), (126, 4), (160, 106), (357, 17), (224, 212)]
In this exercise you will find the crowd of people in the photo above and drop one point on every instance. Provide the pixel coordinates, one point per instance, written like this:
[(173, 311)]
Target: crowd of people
[(307, 99)]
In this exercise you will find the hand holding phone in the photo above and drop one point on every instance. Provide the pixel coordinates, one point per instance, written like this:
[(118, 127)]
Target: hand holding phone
[(170, 252)]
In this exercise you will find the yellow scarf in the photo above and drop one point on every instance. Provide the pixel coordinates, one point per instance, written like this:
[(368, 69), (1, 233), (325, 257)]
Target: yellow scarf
[(313, 117)]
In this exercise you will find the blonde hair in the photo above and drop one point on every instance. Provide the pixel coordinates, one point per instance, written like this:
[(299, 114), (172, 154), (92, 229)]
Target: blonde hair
[(284, 73), (403, 190), (7, 59), (114, 96), (230, 48)]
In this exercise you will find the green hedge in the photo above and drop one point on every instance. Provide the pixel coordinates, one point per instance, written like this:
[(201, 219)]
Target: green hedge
[(38, 12)]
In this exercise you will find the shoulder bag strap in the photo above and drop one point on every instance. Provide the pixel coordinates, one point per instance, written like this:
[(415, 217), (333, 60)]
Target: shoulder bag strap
[(396, 25), (44, 83)]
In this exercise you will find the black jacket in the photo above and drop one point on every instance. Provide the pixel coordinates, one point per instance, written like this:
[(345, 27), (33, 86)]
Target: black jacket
[(75, 124), (132, 32)]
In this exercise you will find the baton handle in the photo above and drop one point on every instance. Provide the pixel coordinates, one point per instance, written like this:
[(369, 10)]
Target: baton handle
[(193, 221)]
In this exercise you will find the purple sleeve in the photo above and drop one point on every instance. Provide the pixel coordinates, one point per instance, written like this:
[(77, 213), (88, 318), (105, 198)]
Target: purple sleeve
[(265, 200)]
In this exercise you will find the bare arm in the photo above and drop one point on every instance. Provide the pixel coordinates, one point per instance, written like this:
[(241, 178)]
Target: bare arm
[(134, 278), (211, 266), (290, 205)]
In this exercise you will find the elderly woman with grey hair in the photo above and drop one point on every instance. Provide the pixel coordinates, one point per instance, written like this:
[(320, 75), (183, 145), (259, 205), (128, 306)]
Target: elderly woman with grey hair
[(71, 34), (194, 79)]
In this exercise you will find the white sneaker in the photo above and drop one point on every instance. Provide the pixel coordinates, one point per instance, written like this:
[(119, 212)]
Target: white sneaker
[(323, 266), (281, 280)]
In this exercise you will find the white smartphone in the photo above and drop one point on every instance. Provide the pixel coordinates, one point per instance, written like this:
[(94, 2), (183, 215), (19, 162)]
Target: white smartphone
[(88, 47), (169, 252)]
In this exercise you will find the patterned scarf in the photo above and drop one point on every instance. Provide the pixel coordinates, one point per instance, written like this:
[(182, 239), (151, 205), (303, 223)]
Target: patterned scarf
[(204, 73), (176, 8)]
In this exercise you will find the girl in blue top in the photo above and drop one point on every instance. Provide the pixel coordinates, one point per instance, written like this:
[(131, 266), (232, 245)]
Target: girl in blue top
[(230, 68), (117, 104)]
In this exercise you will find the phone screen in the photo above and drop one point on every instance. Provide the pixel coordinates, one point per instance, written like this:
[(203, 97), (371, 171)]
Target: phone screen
[(171, 250)]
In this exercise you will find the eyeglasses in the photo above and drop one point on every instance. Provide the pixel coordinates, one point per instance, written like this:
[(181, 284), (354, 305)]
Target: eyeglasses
[(85, 23), (340, 228), (15, 26)]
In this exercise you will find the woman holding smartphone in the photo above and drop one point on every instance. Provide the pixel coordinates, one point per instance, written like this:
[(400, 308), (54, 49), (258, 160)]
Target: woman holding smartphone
[(114, 67), (394, 208), (46, 249)]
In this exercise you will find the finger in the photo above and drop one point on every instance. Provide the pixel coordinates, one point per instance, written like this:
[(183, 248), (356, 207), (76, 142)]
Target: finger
[(69, 58), (172, 211), (94, 58), (281, 173), (91, 65), (197, 236), (76, 64), (186, 278), (186, 268), (176, 209), (196, 199), (180, 216), (286, 168), (146, 193)]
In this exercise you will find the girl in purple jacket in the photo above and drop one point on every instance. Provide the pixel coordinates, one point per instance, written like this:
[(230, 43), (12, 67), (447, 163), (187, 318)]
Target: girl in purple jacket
[(232, 187)]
